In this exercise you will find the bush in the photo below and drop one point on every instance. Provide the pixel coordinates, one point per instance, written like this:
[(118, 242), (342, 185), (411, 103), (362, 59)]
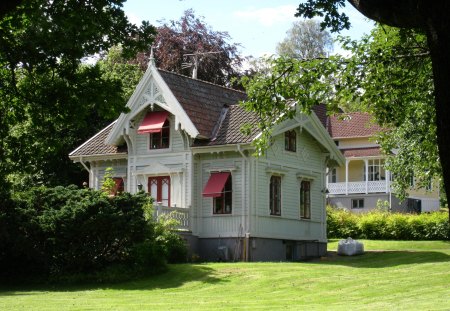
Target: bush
[(384, 225), (66, 230)]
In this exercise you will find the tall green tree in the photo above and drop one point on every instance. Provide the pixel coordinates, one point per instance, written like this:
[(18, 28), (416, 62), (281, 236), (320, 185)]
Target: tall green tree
[(49, 100), (373, 78), (305, 40), (431, 17)]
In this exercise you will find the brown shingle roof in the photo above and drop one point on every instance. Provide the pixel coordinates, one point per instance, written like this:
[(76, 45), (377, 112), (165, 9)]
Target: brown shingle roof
[(96, 145), (355, 124), (202, 101), (229, 129)]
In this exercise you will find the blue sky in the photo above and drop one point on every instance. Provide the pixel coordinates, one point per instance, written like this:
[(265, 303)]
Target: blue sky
[(258, 25)]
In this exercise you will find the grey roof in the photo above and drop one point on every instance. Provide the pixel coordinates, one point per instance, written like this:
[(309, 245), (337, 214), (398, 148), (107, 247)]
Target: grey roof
[(96, 145), (202, 101)]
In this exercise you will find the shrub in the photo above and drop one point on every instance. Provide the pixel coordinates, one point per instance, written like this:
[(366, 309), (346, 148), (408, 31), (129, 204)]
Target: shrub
[(384, 225), (60, 230), (341, 223)]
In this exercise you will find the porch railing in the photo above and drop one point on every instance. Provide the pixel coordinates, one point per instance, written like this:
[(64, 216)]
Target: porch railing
[(359, 187), (178, 213)]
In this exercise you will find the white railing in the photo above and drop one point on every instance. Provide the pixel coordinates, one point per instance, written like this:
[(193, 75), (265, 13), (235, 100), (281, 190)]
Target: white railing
[(178, 213), (358, 187)]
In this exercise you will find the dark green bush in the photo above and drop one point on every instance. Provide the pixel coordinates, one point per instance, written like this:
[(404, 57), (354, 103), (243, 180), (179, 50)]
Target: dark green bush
[(384, 225), (65, 230)]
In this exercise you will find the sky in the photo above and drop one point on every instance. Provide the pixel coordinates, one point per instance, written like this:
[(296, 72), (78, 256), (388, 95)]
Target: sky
[(258, 25)]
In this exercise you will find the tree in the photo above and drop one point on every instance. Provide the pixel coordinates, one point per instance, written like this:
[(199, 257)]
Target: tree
[(306, 40), (401, 100), (430, 17), (216, 60), (49, 100)]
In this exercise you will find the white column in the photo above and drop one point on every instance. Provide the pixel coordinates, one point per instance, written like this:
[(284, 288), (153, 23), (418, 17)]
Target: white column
[(346, 176), (366, 167), (388, 181)]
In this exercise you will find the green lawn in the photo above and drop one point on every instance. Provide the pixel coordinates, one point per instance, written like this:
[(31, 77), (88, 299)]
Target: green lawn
[(392, 275)]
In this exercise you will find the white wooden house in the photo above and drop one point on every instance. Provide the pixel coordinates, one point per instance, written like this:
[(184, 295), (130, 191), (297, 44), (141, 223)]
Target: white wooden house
[(363, 181), (181, 143)]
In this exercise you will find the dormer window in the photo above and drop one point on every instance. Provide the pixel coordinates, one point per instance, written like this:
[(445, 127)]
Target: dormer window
[(160, 140), (157, 124)]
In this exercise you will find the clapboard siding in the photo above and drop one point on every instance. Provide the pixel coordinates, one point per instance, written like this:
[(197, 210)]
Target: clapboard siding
[(308, 160), (219, 225)]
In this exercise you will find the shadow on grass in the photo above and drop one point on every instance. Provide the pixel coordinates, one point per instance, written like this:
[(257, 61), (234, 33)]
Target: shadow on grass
[(383, 259), (175, 276)]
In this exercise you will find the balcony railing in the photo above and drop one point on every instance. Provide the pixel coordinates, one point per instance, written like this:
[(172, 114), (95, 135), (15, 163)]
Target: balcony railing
[(359, 187), (178, 213)]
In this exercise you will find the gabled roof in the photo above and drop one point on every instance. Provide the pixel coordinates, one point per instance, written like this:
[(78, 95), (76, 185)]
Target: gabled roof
[(352, 125), (202, 101), (229, 128), (209, 113), (96, 145)]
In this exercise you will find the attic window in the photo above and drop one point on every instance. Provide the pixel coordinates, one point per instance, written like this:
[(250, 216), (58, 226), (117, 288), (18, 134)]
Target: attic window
[(153, 122)]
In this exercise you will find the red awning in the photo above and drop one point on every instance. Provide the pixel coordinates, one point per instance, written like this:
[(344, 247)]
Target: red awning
[(153, 122), (216, 183)]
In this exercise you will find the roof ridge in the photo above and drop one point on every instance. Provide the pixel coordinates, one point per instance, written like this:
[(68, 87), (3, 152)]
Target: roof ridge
[(203, 81)]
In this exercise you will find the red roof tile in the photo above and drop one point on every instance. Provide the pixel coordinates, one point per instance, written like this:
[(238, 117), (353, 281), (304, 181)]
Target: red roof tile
[(355, 124), (361, 152)]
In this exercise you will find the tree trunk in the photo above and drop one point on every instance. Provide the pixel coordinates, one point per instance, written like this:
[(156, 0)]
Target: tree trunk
[(438, 35)]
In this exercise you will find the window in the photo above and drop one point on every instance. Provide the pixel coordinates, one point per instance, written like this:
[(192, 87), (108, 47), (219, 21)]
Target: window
[(275, 195), (161, 139), (332, 176), (305, 199), (376, 170), (223, 204), (159, 189), (290, 140), (357, 203)]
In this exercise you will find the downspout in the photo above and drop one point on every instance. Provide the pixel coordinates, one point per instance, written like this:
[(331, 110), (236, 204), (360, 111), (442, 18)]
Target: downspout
[(84, 165), (129, 175), (246, 213), (89, 171)]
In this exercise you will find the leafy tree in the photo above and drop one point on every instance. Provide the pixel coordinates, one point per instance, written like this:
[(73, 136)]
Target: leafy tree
[(306, 40), (117, 68), (403, 105), (432, 19), (49, 100), (190, 35)]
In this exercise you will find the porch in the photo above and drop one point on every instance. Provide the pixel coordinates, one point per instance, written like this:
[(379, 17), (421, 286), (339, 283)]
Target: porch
[(360, 176), (359, 187)]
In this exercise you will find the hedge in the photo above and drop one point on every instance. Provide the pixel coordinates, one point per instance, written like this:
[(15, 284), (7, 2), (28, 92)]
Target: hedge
[(66, 230), (387, 226)]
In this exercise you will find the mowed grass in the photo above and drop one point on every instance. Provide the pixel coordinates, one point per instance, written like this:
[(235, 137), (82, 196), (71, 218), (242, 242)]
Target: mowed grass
[(391, 275)]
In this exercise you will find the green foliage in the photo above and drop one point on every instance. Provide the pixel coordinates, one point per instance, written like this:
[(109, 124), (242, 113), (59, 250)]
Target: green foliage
[(383, 225), (172, 245), (108, 183), (59, 231), (372, 79), (50, 101)]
